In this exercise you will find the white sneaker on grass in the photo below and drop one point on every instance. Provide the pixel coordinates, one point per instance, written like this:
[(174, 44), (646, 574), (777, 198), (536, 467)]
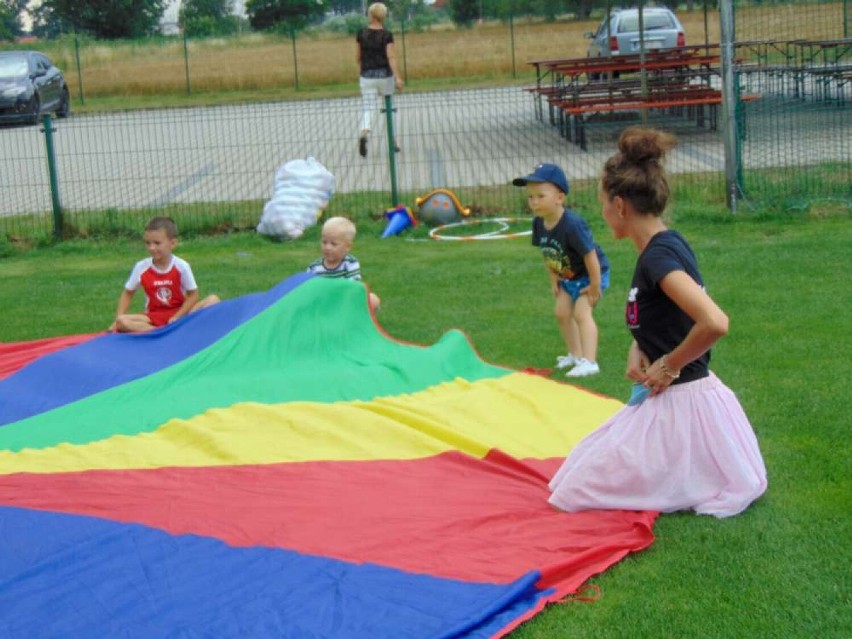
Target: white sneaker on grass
[(566, 361), (584, 368)]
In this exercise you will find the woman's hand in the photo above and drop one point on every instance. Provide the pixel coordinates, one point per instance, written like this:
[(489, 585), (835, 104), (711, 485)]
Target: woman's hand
[(637, 363), (398, 82), (659, 376)]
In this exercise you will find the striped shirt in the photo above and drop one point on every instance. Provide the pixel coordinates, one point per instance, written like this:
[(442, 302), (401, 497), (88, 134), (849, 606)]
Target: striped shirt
[(349, 268)]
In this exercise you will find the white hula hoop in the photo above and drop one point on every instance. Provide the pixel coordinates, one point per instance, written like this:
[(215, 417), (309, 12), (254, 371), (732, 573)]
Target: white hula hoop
[(498, 234)]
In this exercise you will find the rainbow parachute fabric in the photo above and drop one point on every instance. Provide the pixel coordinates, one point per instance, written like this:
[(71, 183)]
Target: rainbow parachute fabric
[(277, 466)]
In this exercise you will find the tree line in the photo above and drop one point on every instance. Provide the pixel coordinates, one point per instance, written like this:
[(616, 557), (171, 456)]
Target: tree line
[(114, 19)]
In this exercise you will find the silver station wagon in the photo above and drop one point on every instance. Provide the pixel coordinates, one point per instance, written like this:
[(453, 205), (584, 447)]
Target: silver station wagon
[(661, 29)]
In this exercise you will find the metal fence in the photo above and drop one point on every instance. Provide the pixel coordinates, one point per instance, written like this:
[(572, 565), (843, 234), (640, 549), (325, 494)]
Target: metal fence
[(213, 168)]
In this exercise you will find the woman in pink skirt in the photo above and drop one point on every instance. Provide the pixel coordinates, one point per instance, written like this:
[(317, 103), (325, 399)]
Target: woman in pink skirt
[(688, 445)]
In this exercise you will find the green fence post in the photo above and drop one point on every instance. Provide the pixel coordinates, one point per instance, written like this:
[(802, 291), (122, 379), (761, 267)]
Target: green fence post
[(512, 43), (391, 148), (54, 180), (404, 57), (733, 188), (79, 72), (295, 59), (186, 63)]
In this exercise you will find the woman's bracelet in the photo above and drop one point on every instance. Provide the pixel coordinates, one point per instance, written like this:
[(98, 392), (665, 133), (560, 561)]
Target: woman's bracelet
[(665, 368)]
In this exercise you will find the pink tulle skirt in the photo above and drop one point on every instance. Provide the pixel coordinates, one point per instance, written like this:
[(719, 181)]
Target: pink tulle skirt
[(688, 448)]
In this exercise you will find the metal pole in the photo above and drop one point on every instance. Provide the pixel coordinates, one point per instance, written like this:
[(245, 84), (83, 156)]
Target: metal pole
[(186, 63), (79, 73), (512, 44), (644, 74), (729, 124), (404, 57), (391, 148), (54, 179), (295, 59)]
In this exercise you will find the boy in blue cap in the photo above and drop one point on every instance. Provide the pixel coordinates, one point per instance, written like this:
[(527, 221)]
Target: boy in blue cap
[(577, 267)]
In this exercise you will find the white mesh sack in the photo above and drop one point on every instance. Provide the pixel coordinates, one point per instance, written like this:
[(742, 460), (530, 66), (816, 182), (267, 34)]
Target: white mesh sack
[(300, 192)]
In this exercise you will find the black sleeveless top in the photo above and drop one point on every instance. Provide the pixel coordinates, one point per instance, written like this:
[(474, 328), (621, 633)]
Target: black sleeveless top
[(374, 55)]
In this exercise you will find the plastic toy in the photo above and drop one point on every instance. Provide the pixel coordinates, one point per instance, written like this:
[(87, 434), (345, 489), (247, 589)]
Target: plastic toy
[(399, 219), (440, 207)]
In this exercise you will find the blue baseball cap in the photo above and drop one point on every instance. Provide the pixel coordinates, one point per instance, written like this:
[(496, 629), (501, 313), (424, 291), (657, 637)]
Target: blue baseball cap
[(545, 173)]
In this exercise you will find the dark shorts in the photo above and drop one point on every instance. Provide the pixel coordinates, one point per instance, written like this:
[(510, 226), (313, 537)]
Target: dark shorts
[(376, 73), (573, 287)]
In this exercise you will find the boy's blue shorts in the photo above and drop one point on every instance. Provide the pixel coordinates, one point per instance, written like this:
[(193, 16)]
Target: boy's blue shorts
[(573, 287)]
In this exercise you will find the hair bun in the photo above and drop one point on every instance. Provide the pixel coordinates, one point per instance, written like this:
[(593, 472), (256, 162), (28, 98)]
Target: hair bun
[(639, 145)]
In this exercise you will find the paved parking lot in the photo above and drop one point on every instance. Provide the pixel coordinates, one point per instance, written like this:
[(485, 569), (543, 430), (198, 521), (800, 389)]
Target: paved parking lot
[(461, 138)]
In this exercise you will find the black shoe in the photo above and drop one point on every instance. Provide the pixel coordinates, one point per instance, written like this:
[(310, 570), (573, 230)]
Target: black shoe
[(362, 146), (396, 148)]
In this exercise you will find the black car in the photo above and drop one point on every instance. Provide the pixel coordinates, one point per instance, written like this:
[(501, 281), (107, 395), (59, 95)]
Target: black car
[(29, 86)]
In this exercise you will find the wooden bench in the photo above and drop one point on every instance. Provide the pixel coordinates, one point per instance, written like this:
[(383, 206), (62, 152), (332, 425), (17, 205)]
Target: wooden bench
[(574, 114), (554, 93)]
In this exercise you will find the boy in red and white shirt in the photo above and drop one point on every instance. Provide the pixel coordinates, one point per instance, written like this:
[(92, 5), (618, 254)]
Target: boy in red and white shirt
[(168, 282)]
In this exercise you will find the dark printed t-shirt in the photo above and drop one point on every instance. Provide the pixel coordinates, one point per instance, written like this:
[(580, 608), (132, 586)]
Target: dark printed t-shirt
[(658, 324), (373, 43), (564, 246)]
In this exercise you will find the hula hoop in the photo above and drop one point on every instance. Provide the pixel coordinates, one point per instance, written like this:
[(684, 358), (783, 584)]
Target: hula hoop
[(436, 233)]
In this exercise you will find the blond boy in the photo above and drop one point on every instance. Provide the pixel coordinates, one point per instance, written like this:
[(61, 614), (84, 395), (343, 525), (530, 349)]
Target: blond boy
[(338, 234)]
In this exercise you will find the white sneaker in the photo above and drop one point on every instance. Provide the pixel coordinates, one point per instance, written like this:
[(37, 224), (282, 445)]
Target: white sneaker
[(584, 368), (567, 361)]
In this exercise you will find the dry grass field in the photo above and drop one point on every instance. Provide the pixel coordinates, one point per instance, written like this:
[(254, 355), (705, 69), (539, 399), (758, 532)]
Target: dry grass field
[(258, 62)]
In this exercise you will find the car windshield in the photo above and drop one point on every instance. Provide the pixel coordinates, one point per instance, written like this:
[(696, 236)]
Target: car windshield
[(12, 67), (652, 21)]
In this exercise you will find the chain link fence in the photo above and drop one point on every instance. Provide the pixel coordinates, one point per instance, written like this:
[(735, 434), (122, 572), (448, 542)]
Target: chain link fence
[(798, 142), (212, 168)]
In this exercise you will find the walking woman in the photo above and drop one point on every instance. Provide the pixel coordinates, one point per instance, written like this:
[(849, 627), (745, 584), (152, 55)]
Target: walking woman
[(379, 72)]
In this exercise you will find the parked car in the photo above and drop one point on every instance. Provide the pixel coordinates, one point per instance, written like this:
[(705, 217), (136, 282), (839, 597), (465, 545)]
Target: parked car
[(661, 28), (31, 85)]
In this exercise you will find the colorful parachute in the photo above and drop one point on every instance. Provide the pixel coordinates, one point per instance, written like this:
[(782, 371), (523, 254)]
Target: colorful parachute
[(277, 466)]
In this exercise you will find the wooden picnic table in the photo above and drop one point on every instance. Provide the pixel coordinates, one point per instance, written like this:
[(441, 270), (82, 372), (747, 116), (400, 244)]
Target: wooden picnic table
[(819, 52), (676, 79), (565, 74), (543, 68)]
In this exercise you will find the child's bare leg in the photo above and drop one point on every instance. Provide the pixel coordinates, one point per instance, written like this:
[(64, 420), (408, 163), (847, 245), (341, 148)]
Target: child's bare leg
[(135, 323), (210, 300), (588, 329), (375, 302), (564, 310)]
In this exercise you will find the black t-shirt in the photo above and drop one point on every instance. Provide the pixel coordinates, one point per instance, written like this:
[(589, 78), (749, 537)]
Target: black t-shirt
[(658, 324), (374, 55), (564, 246)]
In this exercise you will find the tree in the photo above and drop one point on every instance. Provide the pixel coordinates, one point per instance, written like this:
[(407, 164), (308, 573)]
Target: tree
[(200, 18), (464, 12), (10, 18), (341, 7), (111, 19), (47, 23), (287, 15)]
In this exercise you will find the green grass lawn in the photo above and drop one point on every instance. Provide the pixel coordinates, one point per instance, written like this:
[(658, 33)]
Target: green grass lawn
[(778, 570)]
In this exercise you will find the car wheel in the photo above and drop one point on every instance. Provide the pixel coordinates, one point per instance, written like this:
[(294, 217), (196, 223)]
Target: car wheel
[(64, 108), (35, 109)]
